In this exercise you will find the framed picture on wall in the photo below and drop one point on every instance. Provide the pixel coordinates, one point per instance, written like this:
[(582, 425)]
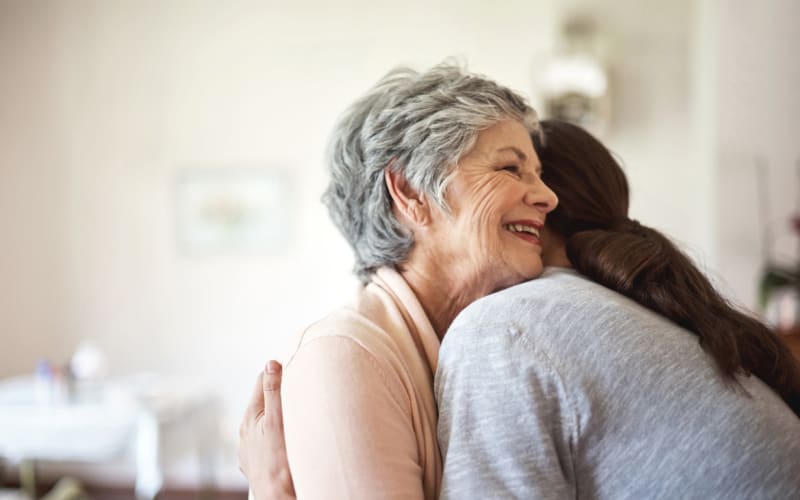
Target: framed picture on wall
[(232, 211)]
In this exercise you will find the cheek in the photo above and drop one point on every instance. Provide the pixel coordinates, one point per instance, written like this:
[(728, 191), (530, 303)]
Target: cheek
[(489, 204), (490, 208)]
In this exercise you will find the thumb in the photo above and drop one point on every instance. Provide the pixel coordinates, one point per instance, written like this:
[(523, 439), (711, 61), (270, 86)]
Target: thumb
[(271, 385), (256, 405)]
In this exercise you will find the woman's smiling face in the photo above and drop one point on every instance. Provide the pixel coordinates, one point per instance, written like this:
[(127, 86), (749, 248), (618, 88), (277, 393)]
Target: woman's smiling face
[(498, 205)]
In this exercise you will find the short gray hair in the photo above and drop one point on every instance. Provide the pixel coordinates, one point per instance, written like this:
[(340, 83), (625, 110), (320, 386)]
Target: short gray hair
[(419, 125)]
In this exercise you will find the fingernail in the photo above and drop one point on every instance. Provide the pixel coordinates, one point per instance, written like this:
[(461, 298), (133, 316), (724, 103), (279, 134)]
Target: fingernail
[(273, 366)]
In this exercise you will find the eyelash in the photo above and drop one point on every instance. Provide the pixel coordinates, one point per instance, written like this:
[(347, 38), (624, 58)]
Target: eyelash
[(516, 170)]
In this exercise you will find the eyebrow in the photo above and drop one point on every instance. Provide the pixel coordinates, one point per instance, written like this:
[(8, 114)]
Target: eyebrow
[(522, 156)]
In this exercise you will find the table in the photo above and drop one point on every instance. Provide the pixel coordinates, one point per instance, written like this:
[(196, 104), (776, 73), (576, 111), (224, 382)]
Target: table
[(121, 417)]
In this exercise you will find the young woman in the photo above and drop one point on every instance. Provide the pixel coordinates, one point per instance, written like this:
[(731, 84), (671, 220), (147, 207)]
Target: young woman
[(619, 372)]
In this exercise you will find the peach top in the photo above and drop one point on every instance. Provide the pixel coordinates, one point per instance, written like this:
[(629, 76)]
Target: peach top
[(358, 403)]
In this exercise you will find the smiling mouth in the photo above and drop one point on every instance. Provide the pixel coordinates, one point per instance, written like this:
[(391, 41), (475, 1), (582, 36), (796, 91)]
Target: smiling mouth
[(525, 232)]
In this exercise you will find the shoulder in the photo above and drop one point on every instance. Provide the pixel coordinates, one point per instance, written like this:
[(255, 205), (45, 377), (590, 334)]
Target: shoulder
[(340, 368), (555, 285), (349, 348), (351, 329), (515, 329), (346, 324), (558, 299), (528, 304), (344, 340), (562, 316)]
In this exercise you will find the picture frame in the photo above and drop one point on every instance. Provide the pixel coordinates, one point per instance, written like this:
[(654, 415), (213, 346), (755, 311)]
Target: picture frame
[(230, 211)]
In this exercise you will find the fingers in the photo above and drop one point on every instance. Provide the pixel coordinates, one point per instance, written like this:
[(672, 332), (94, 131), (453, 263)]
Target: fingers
[(271, 387), (256, 405), (262, 446), (272, 378)]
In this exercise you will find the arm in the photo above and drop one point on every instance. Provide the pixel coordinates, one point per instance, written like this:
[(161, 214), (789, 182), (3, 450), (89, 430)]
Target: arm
[(262, 450), (505, 430), (349, 432)]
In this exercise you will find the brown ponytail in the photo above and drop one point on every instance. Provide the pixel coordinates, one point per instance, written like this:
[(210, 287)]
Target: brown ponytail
[(644, 265)]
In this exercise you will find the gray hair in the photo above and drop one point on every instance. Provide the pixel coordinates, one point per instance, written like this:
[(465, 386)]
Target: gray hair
[(419, 125)]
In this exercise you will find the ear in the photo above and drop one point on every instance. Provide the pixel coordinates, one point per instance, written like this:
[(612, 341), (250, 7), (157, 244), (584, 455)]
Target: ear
[(409, 204)]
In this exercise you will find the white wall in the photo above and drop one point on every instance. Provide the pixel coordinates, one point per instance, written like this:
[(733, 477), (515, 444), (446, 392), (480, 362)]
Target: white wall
[(753, 83), (103, 103), (33, 284), (108, 100)]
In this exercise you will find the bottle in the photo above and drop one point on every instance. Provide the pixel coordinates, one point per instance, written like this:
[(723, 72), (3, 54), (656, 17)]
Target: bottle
[(43, 383)]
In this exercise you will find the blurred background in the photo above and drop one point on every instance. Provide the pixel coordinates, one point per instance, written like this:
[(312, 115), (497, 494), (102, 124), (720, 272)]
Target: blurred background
[(161, 164)]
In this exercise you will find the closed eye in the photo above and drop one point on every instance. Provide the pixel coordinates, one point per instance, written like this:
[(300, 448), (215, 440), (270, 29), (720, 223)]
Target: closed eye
[(514, 169)]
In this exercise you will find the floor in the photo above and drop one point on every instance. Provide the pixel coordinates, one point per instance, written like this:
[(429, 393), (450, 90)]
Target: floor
[(98, 492)]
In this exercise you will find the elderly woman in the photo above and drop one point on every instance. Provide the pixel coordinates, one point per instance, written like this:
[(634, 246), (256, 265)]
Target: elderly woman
[(436, 186)]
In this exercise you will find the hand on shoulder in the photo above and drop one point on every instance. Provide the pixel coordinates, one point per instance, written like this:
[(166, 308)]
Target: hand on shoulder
[(262, 447)]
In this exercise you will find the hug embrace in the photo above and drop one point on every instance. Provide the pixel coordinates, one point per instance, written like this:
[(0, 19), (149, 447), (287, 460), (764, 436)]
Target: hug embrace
[(516, 334)]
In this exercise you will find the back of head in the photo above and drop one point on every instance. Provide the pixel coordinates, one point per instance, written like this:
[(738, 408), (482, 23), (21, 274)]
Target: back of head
[(644, 265), (417, 124), (592, 188)]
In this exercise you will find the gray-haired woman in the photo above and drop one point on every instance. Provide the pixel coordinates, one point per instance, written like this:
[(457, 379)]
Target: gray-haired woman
[(436, 186)]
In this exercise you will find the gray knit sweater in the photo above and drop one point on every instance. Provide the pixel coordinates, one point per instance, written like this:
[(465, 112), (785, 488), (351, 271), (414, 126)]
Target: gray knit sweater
[(560, 388)]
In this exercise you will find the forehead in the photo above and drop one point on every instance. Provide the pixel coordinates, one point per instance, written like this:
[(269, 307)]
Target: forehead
[(508, 139)]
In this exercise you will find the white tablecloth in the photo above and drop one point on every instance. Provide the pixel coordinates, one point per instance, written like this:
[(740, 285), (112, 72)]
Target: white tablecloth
[(124, 417)]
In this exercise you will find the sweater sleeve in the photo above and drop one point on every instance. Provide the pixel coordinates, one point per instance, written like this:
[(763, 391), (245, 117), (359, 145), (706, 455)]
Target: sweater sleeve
[(349, 432), (505, 428)]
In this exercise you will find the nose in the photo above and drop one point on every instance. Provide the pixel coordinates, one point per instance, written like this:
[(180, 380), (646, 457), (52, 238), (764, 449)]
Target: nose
[(541, 196)]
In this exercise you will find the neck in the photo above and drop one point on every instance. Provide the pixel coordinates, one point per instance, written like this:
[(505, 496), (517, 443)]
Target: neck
[(554, 253), (557, 258), (441, 295)]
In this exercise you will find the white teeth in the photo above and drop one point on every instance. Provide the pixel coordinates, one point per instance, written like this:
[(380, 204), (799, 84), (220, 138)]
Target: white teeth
[(521, 228)]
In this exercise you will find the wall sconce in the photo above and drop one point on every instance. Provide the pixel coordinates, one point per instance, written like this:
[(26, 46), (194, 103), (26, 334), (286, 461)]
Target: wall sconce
[(574, 82)]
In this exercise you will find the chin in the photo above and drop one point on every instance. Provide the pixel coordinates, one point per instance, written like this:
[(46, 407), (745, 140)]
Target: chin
[(532, 271)]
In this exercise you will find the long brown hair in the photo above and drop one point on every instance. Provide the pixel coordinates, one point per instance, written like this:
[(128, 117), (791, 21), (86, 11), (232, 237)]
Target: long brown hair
[(639, 262)]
